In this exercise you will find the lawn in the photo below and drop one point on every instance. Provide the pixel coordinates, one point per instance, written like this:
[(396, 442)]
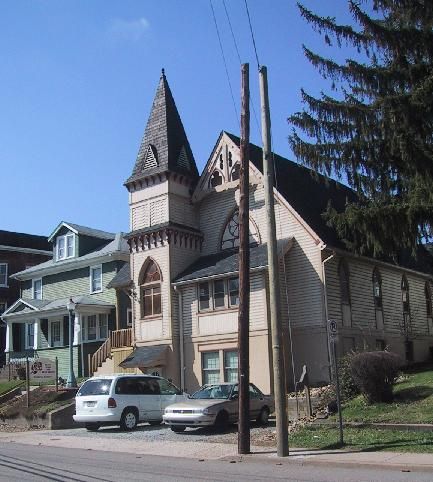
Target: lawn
[(8, 386), (413, 403)]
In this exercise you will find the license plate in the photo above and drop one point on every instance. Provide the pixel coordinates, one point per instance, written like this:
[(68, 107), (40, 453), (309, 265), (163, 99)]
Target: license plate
[(90, 404)]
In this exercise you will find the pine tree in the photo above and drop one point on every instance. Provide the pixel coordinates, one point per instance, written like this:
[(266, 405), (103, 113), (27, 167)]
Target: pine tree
[(376, 131)]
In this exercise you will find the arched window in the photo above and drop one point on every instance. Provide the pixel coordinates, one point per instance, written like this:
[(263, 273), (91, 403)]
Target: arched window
[(405, 295), (428, 305), (216, 179), (230, 238), (234, 176), (150, 290), (343, 275), (377, 289)]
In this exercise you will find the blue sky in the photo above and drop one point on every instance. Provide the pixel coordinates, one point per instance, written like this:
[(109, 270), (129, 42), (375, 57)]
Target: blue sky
[(78, 79)]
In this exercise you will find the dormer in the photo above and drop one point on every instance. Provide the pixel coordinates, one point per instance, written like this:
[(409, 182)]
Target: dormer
[(72, 241)]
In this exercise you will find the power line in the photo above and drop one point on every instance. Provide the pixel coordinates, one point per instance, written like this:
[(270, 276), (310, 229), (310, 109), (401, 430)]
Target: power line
[(252, 35), (240, 62), (224, 60)]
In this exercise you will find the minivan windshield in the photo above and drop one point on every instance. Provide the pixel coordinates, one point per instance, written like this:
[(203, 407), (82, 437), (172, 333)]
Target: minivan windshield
[(97, 386)]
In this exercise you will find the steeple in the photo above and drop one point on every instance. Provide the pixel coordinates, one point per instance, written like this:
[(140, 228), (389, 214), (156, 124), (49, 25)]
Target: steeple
[(164, 146)]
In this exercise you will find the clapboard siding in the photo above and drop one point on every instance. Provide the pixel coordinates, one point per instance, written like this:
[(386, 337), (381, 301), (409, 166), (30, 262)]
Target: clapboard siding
[(182, 211), (362, 301)]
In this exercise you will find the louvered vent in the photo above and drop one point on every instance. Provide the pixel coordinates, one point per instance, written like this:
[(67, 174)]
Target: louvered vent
[(150, 158), (183, 160)]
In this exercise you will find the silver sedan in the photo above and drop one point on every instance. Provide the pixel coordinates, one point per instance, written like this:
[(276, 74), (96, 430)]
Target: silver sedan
[(217, 405)]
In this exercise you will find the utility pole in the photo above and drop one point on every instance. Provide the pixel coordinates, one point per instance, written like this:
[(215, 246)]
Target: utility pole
[(273, 272), (244, 270)]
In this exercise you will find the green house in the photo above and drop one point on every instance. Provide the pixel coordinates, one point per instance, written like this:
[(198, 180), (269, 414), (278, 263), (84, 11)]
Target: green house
[(85, 263)]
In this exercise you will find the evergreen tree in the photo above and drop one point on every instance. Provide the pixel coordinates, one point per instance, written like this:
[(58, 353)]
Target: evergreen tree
[(377, 131)]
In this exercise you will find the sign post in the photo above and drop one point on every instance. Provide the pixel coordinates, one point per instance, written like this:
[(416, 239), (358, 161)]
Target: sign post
[(332, 333)]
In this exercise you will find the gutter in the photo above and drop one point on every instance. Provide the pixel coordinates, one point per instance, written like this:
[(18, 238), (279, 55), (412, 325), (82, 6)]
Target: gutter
[(181, 339), (325, 300)]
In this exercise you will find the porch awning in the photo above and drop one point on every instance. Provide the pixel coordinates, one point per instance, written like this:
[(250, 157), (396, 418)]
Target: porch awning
[(146, 357)]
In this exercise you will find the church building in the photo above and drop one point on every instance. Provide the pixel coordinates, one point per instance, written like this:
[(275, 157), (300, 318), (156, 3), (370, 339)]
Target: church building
[(183, 242)]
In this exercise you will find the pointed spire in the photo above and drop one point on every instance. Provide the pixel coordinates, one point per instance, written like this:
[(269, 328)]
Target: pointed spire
[(164, 146)]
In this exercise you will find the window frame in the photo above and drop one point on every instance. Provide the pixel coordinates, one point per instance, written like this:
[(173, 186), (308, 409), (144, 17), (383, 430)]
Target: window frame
[(155, 283), (34, 281), (377, 281), (428, 299), (92, 278), (85, 327), (228, 305), (344, 282), (129, 317), (405, 291), (5, 274), (50, 335), (29, 335), (65, 238), (222, 369)]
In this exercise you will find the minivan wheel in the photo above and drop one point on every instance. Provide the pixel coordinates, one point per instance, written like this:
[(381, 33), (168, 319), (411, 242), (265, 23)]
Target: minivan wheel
[(92, 427), (178, 428), (129, 419), (263, 417)]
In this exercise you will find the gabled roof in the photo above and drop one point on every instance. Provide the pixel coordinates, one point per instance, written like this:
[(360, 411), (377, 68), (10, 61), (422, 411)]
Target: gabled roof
[(227, 261), (118, 246), (165, 146), (122, 279), (23, 240), (84, 230)]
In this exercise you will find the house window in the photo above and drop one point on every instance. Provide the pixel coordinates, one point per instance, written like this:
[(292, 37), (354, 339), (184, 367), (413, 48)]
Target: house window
[(216, 179), (405, 295), (377, 289), (55, 334), (128, 317), (218, 294), (231, 366), (30, 336), (204, 296), (94, 327), (96, 279), (230, 237), (150, 290), (235, 172), (220, 365), (3, 307), (3, 275), (65, 246), (343, 275), (37, 289), (211, 367), (428, 305)]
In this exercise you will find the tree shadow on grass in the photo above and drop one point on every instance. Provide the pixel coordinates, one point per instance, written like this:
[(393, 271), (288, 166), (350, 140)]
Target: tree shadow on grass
[(413, 394)]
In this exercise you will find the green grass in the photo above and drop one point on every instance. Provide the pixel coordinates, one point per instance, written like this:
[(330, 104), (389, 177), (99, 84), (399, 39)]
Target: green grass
[(8, 386), (363, 439), (413, 403)]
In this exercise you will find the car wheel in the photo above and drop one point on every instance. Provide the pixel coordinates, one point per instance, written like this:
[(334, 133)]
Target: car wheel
[(263, 416), (155, 422), (129, 419), (221, 421), (92, 427), (178, 428)]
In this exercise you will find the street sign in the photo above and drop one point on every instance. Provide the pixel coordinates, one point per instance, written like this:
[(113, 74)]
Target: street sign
[(332, 329), (42, 369)]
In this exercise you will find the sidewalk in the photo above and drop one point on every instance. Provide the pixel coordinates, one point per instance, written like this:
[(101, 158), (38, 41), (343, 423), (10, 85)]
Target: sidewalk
[(215, 451)]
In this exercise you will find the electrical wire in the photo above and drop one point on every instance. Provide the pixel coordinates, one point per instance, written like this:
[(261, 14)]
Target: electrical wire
[(252, 35), (225, 63), (240, 62)]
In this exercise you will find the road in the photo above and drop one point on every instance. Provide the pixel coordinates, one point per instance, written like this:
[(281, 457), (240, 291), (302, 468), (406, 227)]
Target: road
[(19, 462)]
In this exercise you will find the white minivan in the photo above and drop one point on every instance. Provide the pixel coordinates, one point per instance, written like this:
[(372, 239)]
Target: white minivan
[(125, 400)]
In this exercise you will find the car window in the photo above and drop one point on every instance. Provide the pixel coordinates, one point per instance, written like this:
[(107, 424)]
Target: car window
[(168, 388), (128, 386), (254, 392), (213, 391), (100, 386)]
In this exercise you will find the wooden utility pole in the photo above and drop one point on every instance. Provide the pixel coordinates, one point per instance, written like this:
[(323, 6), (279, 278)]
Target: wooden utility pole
[(244, 270), (273, 272)]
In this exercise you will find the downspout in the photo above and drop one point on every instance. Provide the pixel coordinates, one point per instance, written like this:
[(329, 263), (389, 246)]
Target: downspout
[(325, 300), (181, 339)]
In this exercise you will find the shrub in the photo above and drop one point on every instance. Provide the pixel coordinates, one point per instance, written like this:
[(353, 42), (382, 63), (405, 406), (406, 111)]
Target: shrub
[(374, 373), (348, 387)]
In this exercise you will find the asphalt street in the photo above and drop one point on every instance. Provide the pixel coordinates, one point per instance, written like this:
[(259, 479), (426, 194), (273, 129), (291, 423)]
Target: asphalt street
[(20, 462)]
